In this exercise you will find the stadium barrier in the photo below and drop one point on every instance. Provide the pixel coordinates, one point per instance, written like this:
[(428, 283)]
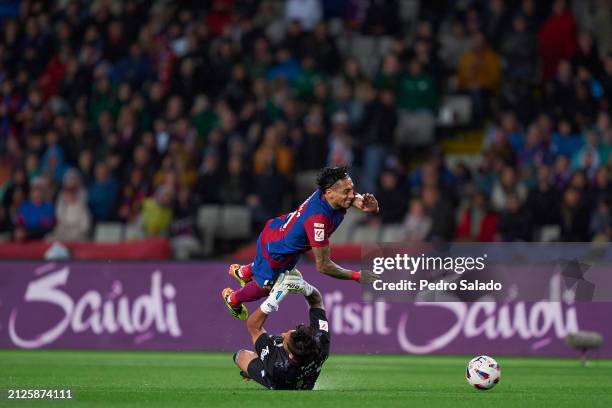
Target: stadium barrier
[(144, 249), (177, 306)]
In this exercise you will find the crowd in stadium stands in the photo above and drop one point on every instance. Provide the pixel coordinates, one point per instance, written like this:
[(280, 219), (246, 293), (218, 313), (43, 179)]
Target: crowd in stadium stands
[(140, 111)]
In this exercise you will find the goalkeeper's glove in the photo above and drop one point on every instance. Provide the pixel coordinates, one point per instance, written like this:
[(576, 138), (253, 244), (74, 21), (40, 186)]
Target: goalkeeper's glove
[(289, 282)]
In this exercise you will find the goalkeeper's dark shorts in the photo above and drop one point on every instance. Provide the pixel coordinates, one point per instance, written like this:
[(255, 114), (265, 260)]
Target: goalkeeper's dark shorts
[(256, 371)]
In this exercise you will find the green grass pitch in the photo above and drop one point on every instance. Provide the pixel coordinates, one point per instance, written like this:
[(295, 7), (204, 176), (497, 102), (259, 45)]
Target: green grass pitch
[(187, 379)]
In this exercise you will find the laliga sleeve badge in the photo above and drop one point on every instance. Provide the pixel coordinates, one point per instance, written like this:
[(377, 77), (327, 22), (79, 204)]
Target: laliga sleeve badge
[(319, 232)]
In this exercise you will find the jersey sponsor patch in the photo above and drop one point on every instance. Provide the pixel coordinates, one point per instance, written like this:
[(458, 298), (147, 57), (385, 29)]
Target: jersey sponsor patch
[(323, 325), (319, 234)]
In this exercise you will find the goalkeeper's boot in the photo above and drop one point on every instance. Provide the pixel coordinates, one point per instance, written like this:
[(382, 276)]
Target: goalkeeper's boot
[(235, 272), (239, 312)]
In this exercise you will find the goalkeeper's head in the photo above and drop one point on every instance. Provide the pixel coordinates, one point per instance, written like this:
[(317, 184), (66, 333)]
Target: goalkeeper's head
[(300, 344)]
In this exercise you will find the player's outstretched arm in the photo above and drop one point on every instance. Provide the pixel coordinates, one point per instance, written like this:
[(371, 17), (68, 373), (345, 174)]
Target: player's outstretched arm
[(326, 266), (255, 324), (315, 300), (366, 203)]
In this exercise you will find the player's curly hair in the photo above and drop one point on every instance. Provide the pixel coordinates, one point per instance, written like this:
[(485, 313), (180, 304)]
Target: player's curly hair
[(330, 175), (302, 344)]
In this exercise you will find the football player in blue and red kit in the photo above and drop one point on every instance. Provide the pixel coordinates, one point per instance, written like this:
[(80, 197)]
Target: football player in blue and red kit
[(284, 239)]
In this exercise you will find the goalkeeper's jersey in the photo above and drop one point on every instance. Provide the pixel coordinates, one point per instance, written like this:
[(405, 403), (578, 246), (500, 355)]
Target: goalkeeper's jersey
[(281, 372)]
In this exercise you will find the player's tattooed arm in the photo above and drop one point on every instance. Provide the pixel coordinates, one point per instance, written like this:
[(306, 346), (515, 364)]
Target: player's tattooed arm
[(328, 267), (255, 324), (366, 203)]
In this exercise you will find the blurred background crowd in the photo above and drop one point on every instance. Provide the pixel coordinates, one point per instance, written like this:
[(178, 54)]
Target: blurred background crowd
[(139, 112)]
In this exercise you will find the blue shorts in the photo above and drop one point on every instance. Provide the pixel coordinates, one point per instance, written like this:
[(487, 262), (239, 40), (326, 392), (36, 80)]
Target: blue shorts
[(264, 274)]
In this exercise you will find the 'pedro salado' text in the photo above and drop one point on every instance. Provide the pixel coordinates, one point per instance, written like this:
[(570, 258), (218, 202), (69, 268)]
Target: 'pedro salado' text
[(440, 285)]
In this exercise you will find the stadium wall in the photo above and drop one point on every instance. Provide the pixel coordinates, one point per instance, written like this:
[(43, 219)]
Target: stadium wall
[(177, 306)]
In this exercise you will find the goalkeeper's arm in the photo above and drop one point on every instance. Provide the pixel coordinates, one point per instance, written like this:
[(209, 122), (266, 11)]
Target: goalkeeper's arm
[(290, 282), (255, 324), (315, 301)]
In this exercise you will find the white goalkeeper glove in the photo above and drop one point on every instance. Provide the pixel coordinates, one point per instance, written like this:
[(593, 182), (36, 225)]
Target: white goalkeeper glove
[(289, 282), (295, 283)]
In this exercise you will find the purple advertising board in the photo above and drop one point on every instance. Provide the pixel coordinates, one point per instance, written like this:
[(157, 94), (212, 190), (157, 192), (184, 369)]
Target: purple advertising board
[(177, 306)]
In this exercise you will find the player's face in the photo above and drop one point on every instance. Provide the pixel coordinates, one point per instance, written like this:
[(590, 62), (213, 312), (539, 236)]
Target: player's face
[(285, 336), (341, 194)]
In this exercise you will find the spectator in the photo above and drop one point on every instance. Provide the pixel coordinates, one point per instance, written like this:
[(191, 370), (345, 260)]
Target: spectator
[(519, 51), (209, 178), (73, 216), (417, 223), (307, 12), (417, 91), (341, 142), (132, 195), (392, 198), (36, 215), (324, 49), (574, 217), (441, 214), (565, 142), (587, 158), (377, 132), (236, 186), (311, 143), (102, 194), (543, 199), (479, 69), (477, 222), (454, 43), (601, 222), (157, 212), (479, 75), (506, 185), (557, 38), (272, 152), (514, 221), (183, 227)]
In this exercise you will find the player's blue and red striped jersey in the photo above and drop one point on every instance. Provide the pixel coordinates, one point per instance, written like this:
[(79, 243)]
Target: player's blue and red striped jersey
[(292, 234)]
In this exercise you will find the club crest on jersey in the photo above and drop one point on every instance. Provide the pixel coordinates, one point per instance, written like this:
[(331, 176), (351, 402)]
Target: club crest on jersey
[(319, 233)]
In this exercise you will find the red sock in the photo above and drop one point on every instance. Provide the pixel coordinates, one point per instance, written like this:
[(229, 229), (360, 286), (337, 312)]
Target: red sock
[(248, 293), (246, 272)]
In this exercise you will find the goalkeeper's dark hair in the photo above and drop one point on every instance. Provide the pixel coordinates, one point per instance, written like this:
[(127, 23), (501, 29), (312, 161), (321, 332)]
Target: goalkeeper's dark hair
[(330, 175), (302, 344)]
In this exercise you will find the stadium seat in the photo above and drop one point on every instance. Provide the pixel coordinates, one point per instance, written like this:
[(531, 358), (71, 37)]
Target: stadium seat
[(363, 48), (409, 10), (472, 161), (455, 110), (134, 231), (415, 129), (392, 233), (366, 234), (235, 222), (208, 222), (108, 232), (549, 233)]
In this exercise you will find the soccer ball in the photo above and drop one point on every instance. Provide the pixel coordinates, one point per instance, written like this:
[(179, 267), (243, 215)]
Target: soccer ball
[(483, 372)]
